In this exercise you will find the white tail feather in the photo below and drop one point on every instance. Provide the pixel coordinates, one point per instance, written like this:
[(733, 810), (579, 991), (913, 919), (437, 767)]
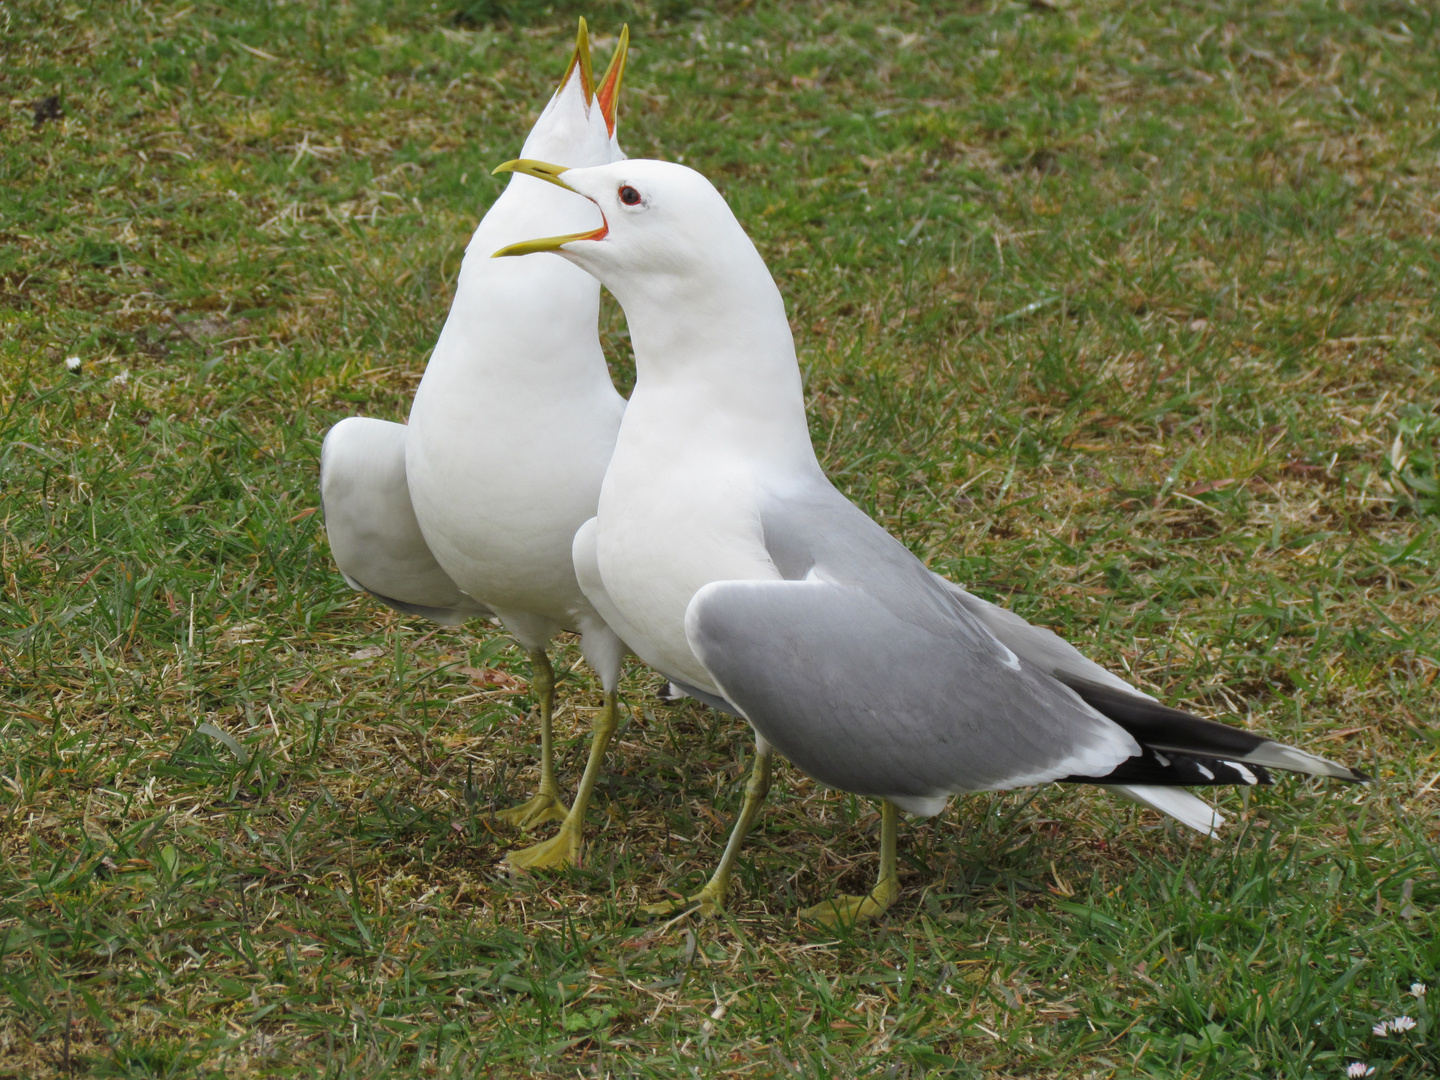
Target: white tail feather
[(1184, 807)]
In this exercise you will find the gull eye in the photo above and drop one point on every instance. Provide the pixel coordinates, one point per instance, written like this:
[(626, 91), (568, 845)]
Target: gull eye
[(629, 196)]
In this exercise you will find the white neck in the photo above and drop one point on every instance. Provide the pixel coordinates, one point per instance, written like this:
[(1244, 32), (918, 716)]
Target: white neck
[(728, 366)]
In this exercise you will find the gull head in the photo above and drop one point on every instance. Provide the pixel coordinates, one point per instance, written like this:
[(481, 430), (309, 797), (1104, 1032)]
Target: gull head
[(661, 222), (697, 295), (578, 124)]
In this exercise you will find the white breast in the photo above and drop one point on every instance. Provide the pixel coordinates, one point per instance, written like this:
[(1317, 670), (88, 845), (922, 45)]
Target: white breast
[(672, 519), (515, 420)]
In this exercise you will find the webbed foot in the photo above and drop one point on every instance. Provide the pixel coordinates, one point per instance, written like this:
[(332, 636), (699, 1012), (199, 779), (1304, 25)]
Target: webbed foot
[(846, 910), (707, 902), (560, 852), (535, 811), (850, 910)]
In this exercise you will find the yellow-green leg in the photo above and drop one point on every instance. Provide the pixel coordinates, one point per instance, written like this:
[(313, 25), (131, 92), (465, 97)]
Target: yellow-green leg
[(564, 848), (849, 910), (546, 804), (712, 897)]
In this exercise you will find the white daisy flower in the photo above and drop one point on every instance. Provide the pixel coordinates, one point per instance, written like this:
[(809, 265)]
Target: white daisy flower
[(1402, 1023), (1358, 1069), (1418, 989), (1382, 1028), (72, 363)]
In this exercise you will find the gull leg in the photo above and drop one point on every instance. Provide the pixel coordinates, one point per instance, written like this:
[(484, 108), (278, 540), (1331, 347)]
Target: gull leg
[(545, 805), (563, 849), (849, 910), (712, 897)]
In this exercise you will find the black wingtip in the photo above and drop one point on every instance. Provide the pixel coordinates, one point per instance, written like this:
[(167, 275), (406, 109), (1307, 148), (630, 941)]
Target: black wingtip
[(1156, 769), (1159, 727)]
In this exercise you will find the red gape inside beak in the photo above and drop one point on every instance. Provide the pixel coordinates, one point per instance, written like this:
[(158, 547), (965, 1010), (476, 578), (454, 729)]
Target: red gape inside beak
[(608, 96), (551, 174)]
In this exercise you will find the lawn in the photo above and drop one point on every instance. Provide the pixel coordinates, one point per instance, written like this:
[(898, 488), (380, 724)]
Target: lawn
[(1123, 313)]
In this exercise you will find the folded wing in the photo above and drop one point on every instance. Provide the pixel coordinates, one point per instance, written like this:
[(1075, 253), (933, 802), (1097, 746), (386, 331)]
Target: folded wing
[(373, 533), (876, 676), (870, 702)]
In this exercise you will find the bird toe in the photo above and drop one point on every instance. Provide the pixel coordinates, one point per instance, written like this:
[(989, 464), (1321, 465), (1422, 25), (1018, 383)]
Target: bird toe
[(560, 852), (535, 811)]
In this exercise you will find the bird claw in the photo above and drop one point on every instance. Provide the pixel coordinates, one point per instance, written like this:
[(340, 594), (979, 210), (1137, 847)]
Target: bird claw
[(844, 911), (705, 903), (534, 811), (560, 852)]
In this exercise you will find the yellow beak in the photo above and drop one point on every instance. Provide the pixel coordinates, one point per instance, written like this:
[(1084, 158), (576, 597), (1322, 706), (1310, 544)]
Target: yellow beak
[(543, 170), (608, 93), (581, 59)]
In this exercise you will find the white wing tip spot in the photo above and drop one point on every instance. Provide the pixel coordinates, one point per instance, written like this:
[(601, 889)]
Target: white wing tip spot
[(1246, 774)]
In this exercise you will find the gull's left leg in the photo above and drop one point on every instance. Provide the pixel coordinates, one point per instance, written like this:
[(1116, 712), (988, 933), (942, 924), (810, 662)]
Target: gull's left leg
[(545, 805), (563, 849), (605, 653), (712, 897), (849, 910)]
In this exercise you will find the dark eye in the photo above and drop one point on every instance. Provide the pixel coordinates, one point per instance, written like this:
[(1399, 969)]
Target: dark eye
[(628, 195)]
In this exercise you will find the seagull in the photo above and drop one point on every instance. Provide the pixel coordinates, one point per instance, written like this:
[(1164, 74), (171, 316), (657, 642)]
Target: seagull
[(726, 560), (470, 510)]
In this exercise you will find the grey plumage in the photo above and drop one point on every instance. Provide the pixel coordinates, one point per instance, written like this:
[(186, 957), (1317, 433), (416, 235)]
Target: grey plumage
[(732, 566), (372, 527), (878, 677), (872, 677)]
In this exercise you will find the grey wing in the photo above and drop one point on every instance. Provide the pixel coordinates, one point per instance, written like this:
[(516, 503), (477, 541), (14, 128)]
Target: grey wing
[(815, 532), (1043, 648), (373, 533), (866, 699), (1155, 726), (816, 526)]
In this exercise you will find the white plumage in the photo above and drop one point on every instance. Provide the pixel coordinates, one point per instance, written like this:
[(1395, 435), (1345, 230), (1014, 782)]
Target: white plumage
[(729, 563), (471, 508)]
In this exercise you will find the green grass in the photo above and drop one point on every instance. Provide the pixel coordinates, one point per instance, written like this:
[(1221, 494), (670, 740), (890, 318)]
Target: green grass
[(1124, 313)]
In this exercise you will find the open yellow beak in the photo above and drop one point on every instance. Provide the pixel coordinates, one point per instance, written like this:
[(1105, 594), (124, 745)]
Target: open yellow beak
[(580, 59), (543, 170), (607, 95)]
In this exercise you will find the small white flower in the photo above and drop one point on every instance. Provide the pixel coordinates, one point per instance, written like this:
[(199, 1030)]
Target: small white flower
[(1382, 1028), (1358, 1069), (1402, 1023), (72, 363), (1418, 989)]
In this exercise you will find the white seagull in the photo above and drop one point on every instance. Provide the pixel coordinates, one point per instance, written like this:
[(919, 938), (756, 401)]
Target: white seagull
[(728, 561), (470, 510)]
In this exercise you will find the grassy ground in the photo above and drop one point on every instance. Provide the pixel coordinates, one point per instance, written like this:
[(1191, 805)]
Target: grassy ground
[(1123, 312)]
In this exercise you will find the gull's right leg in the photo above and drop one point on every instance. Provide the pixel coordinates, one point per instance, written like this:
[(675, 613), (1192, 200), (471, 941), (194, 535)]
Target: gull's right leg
[(564, 848), (848, 910), (545, 805), (712, 897)]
